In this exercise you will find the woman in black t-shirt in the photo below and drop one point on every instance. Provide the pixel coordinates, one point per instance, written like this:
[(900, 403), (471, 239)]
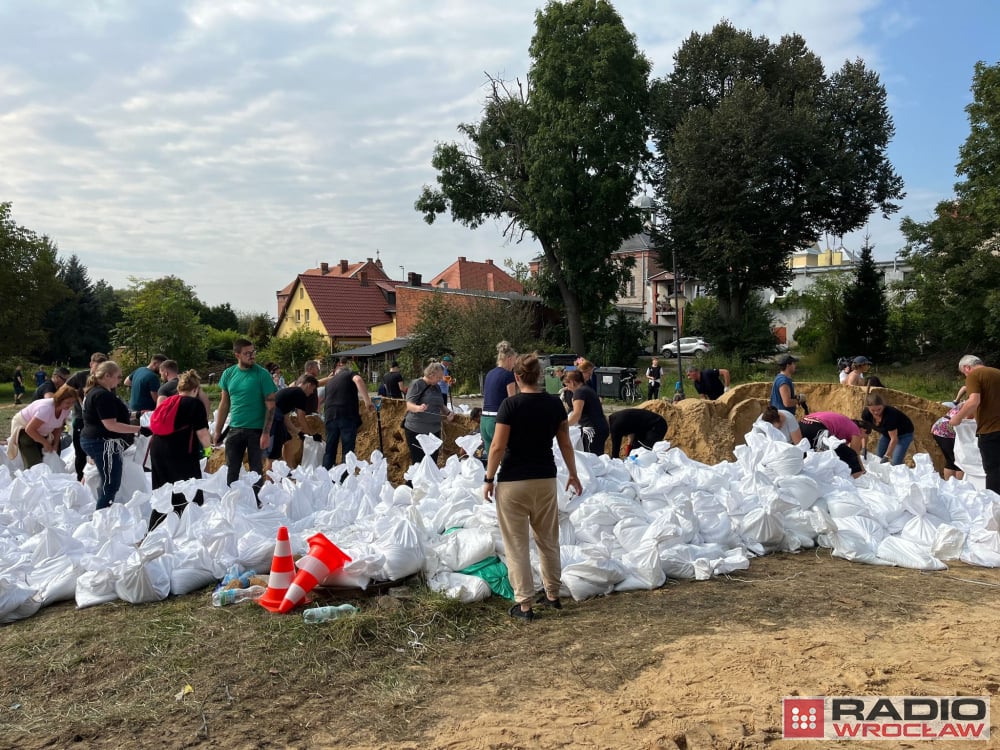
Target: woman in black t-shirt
[(526, 486), (895, 428), (588, 413), (106, 430), (177, 456)]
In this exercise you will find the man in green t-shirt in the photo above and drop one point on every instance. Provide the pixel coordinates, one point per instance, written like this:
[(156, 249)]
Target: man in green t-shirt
[(982, 383), (248, 400)]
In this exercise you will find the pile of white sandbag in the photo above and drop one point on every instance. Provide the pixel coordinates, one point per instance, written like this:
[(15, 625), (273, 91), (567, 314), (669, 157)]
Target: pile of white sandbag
[(654, 516)]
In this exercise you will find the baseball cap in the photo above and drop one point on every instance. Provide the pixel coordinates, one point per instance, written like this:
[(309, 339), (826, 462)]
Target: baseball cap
[(862, 361), (787, 359), (446, 358)]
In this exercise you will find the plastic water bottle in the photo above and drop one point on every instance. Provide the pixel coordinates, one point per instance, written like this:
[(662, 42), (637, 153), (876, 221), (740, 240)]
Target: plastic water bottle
[(325, 614), (224, 597)]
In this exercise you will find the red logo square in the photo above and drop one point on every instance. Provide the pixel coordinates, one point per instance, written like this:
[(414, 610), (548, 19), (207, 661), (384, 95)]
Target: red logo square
[(803, 718)]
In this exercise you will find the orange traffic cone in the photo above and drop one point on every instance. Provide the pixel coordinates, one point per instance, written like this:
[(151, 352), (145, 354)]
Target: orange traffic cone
[(324, 558), (282, 573)]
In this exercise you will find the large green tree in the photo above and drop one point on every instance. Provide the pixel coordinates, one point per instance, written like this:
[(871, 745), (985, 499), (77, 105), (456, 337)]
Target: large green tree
[(470, 333), (559, 157), (29, 286), (161, 315), (759, 152), (866, 314), (821, 332), (77, 323), (956, 256)]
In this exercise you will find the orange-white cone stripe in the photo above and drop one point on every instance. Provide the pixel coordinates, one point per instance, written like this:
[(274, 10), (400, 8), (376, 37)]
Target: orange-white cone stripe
[(280, 580), (316, 568), (294, 595)]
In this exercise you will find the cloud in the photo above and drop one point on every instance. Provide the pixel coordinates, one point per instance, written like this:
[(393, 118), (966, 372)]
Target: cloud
[(236, 142)]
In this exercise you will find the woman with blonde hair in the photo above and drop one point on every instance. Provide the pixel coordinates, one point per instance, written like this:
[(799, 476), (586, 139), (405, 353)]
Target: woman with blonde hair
[(106, 429), (498, 385), (177, 456), (37, 428)]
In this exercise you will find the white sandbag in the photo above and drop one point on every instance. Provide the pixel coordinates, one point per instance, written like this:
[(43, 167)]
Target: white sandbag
[(763, 526), (404, 553), (630, 532), (948, 543), (982, 547), (467, 589), (470, 443), (643, 570), (907, 554), (312, 454), (464, 547), (95, 587), (782, 460), (800, 489), (55, 579), (686, 561), (144, 577), (55, 462), (364, 566), (587, 576), (921, 530), (967, 455), (191, 569), (17, 600), (857, 538)]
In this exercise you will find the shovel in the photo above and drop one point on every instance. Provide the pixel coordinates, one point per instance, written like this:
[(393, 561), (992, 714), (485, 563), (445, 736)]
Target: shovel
[(377, 402)]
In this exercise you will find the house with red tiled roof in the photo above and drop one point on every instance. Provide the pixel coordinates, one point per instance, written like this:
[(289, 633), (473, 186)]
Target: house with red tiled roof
[(344, 309), (473, 275), (370, 269), (356, 304)]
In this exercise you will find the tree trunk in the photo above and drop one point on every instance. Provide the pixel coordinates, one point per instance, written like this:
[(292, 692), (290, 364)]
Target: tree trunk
[(571, 301)]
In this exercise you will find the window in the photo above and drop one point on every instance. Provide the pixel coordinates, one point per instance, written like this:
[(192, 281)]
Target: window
[(307, 315), (631, 286), (298, 316), (301, 292)]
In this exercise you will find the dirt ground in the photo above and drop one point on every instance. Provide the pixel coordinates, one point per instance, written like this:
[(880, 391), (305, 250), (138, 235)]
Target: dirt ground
[(691, 666)]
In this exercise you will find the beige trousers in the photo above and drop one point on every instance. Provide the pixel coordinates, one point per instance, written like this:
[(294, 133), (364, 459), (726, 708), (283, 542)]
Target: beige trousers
[(520, 505)]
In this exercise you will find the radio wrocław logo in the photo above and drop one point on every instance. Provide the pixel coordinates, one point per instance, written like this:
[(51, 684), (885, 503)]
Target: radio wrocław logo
[(872, 717)]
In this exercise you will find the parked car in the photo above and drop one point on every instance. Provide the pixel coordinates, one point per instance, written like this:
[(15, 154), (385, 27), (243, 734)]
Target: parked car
[(691, 346)]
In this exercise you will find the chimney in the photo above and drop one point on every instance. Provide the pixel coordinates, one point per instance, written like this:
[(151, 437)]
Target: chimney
[(369, 260), (364, 278), (461, 259), (489, 261), (343, 266), (413, 279), (324, 268)]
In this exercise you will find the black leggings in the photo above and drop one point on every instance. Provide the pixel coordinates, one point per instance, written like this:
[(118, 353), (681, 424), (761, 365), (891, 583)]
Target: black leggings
[(81, 458), (947, 446), (811, 430)]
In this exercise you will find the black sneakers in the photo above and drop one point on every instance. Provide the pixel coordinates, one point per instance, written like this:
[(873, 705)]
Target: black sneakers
[(543, 598), (520, 614)]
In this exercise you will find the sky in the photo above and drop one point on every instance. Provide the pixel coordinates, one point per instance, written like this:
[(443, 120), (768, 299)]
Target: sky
[(235, 143)]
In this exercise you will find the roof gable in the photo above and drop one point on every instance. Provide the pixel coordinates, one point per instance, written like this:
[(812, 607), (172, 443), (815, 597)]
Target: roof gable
[(473, 275), (346, 306)]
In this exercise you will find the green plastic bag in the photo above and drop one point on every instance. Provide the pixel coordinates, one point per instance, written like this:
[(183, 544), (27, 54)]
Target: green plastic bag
[(494, 572)]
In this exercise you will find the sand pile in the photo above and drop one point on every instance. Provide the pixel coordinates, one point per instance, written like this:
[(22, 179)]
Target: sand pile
[(706, 431)]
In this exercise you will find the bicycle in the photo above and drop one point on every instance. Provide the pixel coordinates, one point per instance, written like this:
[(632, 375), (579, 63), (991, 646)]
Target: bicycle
[(629, 391)]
